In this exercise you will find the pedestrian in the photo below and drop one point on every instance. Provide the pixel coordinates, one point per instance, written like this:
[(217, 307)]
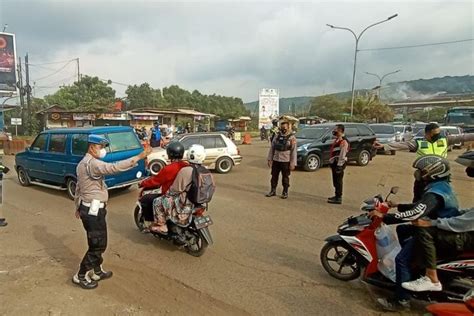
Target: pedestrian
[(91, 202), (433, 143), (155, 139), (282, 158), (338, 160), (3, 170)]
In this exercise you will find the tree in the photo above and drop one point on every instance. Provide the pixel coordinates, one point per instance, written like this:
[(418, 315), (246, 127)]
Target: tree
[(327, 107), (89, 94), (144, 96)]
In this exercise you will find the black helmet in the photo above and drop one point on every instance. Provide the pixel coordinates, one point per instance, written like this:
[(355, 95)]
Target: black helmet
[(431, 168), (175, 150)]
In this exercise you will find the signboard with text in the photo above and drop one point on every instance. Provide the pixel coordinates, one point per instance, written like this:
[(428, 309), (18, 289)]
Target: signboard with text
[(269, 107), (8, 72), (16, 121)]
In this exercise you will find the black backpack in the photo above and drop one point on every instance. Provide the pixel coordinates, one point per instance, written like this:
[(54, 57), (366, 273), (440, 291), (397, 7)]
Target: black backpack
[(202, 185)]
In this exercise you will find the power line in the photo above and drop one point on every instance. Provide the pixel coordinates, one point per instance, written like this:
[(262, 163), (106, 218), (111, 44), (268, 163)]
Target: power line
[(119, 83), (420, 45), (53, 62), (55, 72)]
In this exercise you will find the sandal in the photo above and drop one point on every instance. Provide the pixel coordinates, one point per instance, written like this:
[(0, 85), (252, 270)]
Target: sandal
[(161, 229)]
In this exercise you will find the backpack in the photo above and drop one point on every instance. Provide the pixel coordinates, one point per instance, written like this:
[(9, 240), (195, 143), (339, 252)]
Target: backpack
[(202, 185)]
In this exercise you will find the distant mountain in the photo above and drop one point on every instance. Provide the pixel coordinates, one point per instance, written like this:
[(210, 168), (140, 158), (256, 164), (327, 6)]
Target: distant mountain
[(420, 89)]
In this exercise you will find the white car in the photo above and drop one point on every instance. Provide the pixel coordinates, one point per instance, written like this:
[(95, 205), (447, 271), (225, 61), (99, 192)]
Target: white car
[(221, 152), (453, 130), (404, 133)]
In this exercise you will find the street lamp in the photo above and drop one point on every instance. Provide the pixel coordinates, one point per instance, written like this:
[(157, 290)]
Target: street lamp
[(357, 38), (382, 78)]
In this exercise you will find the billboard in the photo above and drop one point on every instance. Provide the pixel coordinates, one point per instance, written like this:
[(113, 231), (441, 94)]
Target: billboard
[(268, 103), (8, 74)]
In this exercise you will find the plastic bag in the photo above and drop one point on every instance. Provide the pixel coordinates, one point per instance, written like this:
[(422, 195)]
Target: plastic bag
[(388, 247)]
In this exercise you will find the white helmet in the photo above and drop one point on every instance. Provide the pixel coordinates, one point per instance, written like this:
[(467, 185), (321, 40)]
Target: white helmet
[(196, 154)]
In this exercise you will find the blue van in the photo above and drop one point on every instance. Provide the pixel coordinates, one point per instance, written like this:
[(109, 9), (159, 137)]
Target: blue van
[(52, 158)]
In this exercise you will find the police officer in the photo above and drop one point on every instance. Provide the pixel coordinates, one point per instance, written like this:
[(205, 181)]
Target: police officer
[(274, 129), (155, 139), (91, 201), (282, 158), (433, 143), (338, 160)]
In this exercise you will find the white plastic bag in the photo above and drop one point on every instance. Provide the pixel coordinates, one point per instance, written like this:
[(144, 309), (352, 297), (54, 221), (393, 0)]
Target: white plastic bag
[(388, 247)]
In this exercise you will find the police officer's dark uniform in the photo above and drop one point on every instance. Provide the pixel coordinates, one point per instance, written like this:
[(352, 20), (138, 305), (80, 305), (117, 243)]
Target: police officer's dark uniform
[(338, 160), (282, 158), (3, 169), (91, 200)]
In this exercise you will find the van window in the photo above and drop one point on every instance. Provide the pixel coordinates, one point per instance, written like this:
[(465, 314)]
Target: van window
[(40, 142), (212, 142), (79, 144), (123, 141), (351, 131), (365, 130), (57, 143)]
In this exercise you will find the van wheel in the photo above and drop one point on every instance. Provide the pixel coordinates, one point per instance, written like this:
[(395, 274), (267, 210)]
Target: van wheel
[(224, 165), (393, 152), (71, 188), (23, 177), (155, 166), (312, 163), (364, 158)]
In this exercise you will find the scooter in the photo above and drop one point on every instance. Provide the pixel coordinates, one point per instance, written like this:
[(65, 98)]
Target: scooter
[(454, 309), (352, 254), (194, 237)]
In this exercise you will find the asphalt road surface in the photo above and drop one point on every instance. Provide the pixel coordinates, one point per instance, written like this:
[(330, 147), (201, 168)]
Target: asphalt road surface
[(265, 259)]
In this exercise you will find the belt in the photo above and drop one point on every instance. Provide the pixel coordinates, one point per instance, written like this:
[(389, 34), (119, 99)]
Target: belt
[(101, 205)]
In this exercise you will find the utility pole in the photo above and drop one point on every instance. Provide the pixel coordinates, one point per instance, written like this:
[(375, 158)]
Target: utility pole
[(78, 71), (28, 90), (22, 98)]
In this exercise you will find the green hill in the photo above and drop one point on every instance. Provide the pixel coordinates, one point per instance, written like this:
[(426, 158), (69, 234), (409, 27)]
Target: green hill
[(419, 89)]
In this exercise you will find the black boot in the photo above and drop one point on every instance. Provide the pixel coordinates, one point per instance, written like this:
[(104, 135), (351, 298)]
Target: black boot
[(100, 275), (284, 194), (271, 193), (335, 200), (84, 281)]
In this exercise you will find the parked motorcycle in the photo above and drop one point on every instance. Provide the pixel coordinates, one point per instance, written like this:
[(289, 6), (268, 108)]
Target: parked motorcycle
[(454, 309), (194, 237), (352, 253)]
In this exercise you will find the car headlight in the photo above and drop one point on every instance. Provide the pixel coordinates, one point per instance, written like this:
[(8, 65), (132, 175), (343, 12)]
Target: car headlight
[(303, 147)]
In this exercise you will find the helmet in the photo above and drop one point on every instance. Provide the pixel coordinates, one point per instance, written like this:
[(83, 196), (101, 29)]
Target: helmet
[(431, 167), (97, 139), (196, 154), (175, 150), (466, 159)]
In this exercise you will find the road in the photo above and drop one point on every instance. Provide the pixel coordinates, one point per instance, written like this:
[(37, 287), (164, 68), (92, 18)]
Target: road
[(265, 259)]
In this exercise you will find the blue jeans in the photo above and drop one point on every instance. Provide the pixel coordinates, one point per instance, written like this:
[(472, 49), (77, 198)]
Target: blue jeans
[(403, 260)]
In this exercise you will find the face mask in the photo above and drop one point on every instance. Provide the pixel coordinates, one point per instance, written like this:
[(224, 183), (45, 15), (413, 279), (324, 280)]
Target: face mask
[(102, 153), (283, 130), (435, 137)]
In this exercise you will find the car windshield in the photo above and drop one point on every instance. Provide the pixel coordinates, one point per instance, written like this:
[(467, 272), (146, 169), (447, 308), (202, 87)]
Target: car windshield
[(452, 130), (123, 141), (460, 118), (383, 129), (312, 132), (399, 129)]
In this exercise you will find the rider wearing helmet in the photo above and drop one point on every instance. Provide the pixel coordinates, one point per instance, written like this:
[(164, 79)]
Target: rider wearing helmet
[(176, 198), (437, 201), (448, 236), (163, 180)]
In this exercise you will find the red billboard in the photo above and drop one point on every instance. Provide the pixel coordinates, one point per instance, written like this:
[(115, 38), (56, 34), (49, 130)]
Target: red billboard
[(8, 73)]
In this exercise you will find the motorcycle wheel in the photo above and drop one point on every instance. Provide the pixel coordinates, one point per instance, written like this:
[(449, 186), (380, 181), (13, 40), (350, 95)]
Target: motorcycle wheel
[(138, 217), (199, 247), (335, 256)]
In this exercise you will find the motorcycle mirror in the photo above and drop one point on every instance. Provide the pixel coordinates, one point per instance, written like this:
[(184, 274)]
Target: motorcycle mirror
[(394, 190)]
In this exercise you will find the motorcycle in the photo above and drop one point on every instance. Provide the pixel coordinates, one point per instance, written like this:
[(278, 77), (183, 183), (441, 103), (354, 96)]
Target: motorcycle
[(454, 309), (352, 254), (194, 237)]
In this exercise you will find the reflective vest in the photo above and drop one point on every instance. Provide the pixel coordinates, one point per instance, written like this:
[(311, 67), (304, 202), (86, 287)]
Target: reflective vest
[(444, 190), (438, 148)]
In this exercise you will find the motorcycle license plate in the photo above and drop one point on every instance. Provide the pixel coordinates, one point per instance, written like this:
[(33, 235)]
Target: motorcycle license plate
[(202, 221)]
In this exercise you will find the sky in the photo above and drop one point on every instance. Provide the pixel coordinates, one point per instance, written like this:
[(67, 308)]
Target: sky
[(237, 48)]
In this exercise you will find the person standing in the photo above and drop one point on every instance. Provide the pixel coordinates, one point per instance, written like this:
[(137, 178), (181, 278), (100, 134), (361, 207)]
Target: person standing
[(282, 158), (3, 170), (433, 143), (91, 202), (155, 139), (338, 160)]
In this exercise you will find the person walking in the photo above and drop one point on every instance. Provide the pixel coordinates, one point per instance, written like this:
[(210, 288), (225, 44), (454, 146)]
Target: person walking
[(3, 170), (90, 204), (155, 139), (338, 160), (282, 158)]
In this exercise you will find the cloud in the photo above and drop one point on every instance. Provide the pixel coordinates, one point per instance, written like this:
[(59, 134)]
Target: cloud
[(236, 49)]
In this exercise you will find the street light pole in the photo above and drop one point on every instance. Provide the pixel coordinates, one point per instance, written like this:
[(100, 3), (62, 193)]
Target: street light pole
[(357, 38), (382, 78)]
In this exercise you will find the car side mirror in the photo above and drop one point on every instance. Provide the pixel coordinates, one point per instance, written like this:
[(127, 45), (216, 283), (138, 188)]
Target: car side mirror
[(394, 190)]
